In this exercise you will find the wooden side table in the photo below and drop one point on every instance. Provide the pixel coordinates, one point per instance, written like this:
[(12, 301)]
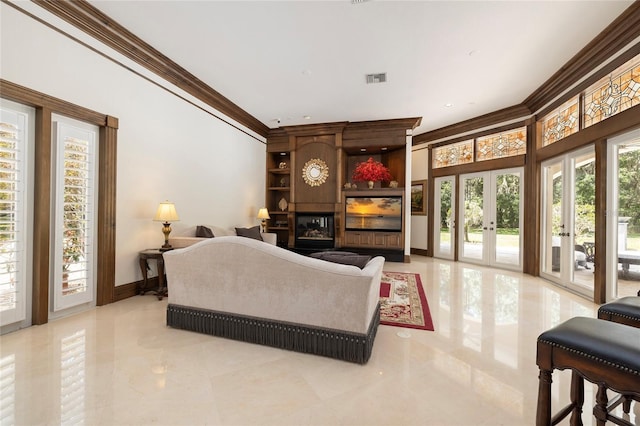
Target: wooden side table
[(144, 257)]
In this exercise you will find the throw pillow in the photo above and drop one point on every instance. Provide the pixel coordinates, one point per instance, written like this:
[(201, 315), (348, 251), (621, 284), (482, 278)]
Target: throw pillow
[(203, 232), (343, 257), (250, 232)]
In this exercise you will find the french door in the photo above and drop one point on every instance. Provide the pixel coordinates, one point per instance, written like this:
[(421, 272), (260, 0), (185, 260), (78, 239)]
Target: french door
[(568, 220), (16, 207), (623, 220), (491, 218), (444, 222), (75, 216)]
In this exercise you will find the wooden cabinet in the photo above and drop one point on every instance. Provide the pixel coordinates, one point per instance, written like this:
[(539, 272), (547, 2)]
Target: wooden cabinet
[(340, 146), (379, 240)]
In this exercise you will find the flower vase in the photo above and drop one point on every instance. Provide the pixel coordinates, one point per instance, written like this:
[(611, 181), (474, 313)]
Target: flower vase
[(370, 183)]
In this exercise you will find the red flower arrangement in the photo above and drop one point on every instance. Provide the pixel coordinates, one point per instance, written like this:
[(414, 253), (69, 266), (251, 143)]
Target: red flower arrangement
[(372, 171)]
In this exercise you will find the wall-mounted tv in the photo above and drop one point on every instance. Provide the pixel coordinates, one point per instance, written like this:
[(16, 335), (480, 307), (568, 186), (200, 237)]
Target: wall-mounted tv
[(373, 213)]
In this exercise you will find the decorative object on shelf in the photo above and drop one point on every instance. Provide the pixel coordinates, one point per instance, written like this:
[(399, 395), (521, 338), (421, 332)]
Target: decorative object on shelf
[(263, 214), (166, 214), (370, 184), (283, 204), (354, 186), (315, 172), (393, 184), (347, 185), (282, 165), (283, 182), (419, 197), (371, 171)]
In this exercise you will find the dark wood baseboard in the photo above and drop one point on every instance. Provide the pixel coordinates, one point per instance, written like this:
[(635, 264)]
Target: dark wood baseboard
[(126, 291), (420, 252)]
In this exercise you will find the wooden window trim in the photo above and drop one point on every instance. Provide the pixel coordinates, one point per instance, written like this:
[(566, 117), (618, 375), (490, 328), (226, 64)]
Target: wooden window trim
[(45, 106)]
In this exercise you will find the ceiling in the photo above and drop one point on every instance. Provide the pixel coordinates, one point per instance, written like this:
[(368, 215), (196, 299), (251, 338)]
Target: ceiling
[(303, 62)]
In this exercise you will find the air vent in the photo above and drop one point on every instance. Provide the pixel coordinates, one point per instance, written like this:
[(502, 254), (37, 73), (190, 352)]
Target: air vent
[(377, 78)]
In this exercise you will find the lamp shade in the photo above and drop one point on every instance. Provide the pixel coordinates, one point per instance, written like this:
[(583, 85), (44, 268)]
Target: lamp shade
[(263, 213), (166, 213)]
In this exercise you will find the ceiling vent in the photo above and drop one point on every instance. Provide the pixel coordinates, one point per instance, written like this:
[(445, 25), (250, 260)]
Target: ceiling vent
[(377, 78)]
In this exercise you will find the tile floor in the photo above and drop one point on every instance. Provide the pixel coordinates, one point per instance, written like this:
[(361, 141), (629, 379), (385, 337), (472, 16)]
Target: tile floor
[(120, 365)]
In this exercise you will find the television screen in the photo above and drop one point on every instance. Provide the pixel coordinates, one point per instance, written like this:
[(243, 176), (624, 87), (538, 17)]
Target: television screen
[(373, 213)]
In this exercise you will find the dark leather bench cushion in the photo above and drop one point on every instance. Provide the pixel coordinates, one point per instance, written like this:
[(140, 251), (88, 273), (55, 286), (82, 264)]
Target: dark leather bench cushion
[(343, 257), (627, 306), (606, 341)]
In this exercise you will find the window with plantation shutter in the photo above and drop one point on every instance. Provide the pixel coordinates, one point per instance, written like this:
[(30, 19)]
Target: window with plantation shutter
[(75, 213), (14, 138)]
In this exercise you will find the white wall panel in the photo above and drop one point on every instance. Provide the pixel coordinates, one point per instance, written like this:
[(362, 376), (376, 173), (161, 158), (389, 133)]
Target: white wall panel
[(167, 148), (419, 167)]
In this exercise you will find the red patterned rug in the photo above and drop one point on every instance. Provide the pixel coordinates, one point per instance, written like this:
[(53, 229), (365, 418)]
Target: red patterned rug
[(402, 301)]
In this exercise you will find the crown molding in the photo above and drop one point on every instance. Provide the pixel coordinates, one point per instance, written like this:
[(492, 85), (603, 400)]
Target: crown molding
[(493, 118), (90, 20), (617, 35)]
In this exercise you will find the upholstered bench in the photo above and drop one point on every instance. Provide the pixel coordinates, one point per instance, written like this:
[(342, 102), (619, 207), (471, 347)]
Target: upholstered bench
[(603, 352), (625, 310)]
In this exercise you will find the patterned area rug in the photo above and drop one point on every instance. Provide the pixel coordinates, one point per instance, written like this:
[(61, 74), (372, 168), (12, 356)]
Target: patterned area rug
[(402, 301)]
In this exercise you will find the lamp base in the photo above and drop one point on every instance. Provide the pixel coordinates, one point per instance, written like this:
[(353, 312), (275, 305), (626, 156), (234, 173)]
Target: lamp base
[(166, 230)]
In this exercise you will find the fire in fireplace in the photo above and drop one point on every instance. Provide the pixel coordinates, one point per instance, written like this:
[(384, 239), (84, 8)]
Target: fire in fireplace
[(315, 230)]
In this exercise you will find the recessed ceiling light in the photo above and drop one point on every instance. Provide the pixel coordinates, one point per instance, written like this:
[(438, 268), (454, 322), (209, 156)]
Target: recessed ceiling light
[(307, 117), (383, 148), (283, 153), (363, 149), (306, 72), (448, 105)]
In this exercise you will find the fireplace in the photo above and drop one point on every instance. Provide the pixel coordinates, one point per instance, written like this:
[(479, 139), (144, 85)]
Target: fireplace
[(315, 230)]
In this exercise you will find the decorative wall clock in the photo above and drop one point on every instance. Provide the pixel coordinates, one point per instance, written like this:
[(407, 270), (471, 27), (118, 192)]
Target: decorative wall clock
[(315, 172)]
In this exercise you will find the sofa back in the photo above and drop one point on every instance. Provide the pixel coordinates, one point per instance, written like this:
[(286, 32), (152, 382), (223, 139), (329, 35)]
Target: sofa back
[(248, 277), (187, 236)]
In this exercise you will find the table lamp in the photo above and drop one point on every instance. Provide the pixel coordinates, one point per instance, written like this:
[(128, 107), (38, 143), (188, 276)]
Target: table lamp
[(166, 214), (263, 214)]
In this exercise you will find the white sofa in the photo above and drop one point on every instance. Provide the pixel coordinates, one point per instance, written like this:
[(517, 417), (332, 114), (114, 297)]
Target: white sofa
[(187, 236), (244, 289)]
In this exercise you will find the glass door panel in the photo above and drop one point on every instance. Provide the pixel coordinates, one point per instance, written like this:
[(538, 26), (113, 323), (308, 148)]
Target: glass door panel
[(507, 187), (568, 220), (584, 220), (444, 217), (552, 220), (472, 190), (623, 225)]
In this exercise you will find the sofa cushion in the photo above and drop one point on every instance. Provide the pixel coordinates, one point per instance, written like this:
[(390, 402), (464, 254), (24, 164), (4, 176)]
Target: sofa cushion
[(204, 232), (253, 232), (343, 257)]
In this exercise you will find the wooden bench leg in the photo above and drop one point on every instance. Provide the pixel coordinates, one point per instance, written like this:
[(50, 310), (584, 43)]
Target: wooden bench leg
[(543, 415), (600, 409), (626, 405), (577, 398)]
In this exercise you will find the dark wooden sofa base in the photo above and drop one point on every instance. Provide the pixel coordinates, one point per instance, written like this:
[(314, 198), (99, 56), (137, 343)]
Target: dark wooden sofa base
[(347, 346), (603, 352)]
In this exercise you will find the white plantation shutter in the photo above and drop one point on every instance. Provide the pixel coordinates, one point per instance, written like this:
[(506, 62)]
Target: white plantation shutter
[(75, 213), (14, 136)]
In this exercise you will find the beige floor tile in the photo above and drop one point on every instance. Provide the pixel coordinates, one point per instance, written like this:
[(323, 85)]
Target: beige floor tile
[(120, 365)]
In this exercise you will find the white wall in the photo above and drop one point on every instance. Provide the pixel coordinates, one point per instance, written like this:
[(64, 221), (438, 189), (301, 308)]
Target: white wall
[(167, 148), (419, 158)]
